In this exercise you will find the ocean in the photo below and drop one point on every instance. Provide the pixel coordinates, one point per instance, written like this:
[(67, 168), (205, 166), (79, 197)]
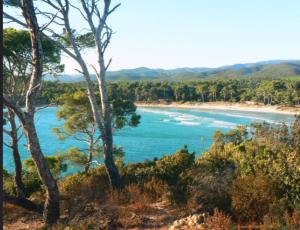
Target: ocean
[(162, 131)]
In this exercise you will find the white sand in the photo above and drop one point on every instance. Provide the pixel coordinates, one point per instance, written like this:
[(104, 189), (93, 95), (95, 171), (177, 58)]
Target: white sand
[(226, 106)]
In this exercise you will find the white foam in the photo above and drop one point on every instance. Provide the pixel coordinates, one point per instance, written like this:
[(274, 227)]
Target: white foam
[(224, 124), (246, 116), (191, 120), (189, 123)]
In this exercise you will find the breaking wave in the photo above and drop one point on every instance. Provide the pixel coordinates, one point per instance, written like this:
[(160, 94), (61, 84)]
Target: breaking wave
[(189, 119)]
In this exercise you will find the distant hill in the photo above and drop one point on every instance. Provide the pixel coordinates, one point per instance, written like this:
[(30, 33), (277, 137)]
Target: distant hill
[(265, 69)]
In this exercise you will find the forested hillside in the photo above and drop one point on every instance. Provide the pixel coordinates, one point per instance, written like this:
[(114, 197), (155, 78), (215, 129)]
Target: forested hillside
[(264, 70)]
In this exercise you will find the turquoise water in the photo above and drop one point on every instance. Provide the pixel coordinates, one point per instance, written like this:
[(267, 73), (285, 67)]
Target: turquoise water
[(162, 131)]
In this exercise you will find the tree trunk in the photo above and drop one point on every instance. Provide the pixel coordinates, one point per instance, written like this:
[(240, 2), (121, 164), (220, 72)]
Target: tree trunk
[(91, 148), (78, 57), (27, 204), (111, 168), (51, 206), (21, 192), (107, 135)]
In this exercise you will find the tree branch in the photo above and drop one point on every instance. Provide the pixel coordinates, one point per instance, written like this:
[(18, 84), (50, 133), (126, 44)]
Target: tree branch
[(7, 132), (22, 134), (43, 107), (16, 109), (6, 15), (108, 64), (113, 9), (43, 34), (7, 145)]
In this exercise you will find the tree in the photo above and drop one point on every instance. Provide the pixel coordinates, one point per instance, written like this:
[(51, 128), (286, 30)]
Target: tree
[(72, 43), (17, 68), (213, 89), (225, 92), (202, 90), (80, 125), (26, 116), (13, 145)]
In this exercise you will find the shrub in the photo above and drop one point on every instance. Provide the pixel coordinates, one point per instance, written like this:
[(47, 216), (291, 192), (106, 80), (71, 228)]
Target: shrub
[(210, 185), (252, 197), (209, 191), (31, 182), (9, 184), (55, 163), (91, 187), (171, 167), (155, 188), (139, 200)]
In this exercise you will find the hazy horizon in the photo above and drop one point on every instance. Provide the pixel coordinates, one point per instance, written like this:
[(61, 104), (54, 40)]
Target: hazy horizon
[(196, 67)]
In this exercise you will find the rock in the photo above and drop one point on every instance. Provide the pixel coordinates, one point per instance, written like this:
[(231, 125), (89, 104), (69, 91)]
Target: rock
[(193, 221)]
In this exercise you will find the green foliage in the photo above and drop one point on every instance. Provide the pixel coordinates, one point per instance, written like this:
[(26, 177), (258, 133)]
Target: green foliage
[(79, 158), (166, 176), (5, 173), (284, 91), (266, 166), (171, 167), (79, 124), (30, 175), (17, 65), (17, 51), (32, 182), (55, 163), (123, 113), (76, 113)]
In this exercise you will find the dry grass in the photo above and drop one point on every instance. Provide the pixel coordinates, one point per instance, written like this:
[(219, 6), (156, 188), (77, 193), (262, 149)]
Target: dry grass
[(293, 220), (17, 218), (139, 201), (218, 221)]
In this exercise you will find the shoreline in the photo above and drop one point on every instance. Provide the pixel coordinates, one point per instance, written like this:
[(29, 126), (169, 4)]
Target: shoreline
[(244, 107)]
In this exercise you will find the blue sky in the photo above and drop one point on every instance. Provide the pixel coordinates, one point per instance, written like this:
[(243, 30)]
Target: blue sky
[(200, 33)]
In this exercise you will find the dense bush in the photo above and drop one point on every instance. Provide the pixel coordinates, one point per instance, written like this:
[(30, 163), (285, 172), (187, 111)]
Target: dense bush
[(163, 177), (252, 197)]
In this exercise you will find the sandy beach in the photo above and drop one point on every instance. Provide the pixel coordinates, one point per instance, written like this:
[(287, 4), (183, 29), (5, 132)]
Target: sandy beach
[(250, 107)]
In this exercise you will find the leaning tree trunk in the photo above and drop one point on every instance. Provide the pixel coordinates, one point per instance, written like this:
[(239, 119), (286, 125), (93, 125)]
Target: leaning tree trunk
[(51, 207), (21, 191)]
